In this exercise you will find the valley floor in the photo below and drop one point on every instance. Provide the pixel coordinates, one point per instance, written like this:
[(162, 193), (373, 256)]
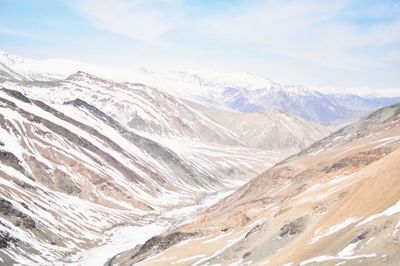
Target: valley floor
[(124, 237)]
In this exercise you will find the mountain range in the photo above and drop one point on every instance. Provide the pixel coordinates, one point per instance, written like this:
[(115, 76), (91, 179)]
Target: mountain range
[(334, 203), (116, 167), (240, 91)]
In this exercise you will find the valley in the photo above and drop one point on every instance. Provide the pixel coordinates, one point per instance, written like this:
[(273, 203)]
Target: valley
[(329, 204), (106, 167)]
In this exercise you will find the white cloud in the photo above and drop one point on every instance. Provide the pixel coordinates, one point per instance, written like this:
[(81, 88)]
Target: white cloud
[(13, 32), (316, 43), (307, 30), (138, 19)]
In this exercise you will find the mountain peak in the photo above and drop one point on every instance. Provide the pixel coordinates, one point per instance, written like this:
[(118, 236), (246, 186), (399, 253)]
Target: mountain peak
[(10, 59), (82, 75), (223, 79)]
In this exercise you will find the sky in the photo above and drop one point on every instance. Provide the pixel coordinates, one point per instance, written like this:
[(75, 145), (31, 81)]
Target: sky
[(343, 44)]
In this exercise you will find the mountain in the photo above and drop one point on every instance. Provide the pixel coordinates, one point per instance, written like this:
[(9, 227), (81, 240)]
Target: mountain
[(95, 162), (334, 203), (161, 116), (270, 130), (86, 160), (69, 172), (240, 91), (248, 92)]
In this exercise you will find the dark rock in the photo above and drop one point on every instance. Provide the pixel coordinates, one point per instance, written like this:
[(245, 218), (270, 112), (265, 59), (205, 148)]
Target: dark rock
[(360, 237), (247, 254), (10, 159), (358, 160), (17, 217), (17, 95), (5, 206), (253, 230), (343, 194), (24, 185), (320, 207), (28, 222), (6, 239), (293, 228), (157, 244)]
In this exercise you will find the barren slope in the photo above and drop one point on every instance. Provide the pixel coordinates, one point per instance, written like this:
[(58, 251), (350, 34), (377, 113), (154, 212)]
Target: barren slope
[(335, 203)]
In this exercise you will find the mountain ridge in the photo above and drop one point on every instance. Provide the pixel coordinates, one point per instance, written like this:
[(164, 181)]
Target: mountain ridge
[(320, 208), (241, 91)]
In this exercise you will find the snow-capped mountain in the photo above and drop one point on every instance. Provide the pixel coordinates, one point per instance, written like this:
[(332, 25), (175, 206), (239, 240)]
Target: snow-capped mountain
[(69, 172), (240, 91), (247, 92), (336, 203), (160, 115), (89, 155), (84, 158)]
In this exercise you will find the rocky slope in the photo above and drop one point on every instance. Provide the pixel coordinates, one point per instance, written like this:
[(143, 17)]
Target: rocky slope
[(70, 172), (160, 115), (270, 130), (84, 160), (91, 167), (334, 203)]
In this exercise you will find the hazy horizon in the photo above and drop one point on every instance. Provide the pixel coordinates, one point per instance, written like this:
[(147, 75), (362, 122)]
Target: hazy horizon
[(336, 46)]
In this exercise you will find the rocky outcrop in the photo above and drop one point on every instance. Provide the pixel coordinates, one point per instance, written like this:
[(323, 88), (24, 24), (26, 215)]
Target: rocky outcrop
[(17, 217), (16, 94), (158, 244), (293, 228), (10, 159), (358, 160), (6, 240)]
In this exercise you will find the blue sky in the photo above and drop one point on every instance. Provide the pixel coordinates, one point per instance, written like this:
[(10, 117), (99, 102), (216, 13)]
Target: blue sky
[(337, 43)]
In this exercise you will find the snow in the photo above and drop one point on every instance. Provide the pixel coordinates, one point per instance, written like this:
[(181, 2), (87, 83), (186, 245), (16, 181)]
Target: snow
[(117, 240), (349, 250), (397, 229), (220, 251), (388, 212), (76, 221), (188, 259), (332, 186), (11, 143), (185, 242), (329, 258), (240, 263), (370, 240), (220, 236), (332, 230)]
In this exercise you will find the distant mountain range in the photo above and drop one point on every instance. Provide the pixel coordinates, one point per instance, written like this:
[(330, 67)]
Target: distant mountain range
[(239, 91)]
